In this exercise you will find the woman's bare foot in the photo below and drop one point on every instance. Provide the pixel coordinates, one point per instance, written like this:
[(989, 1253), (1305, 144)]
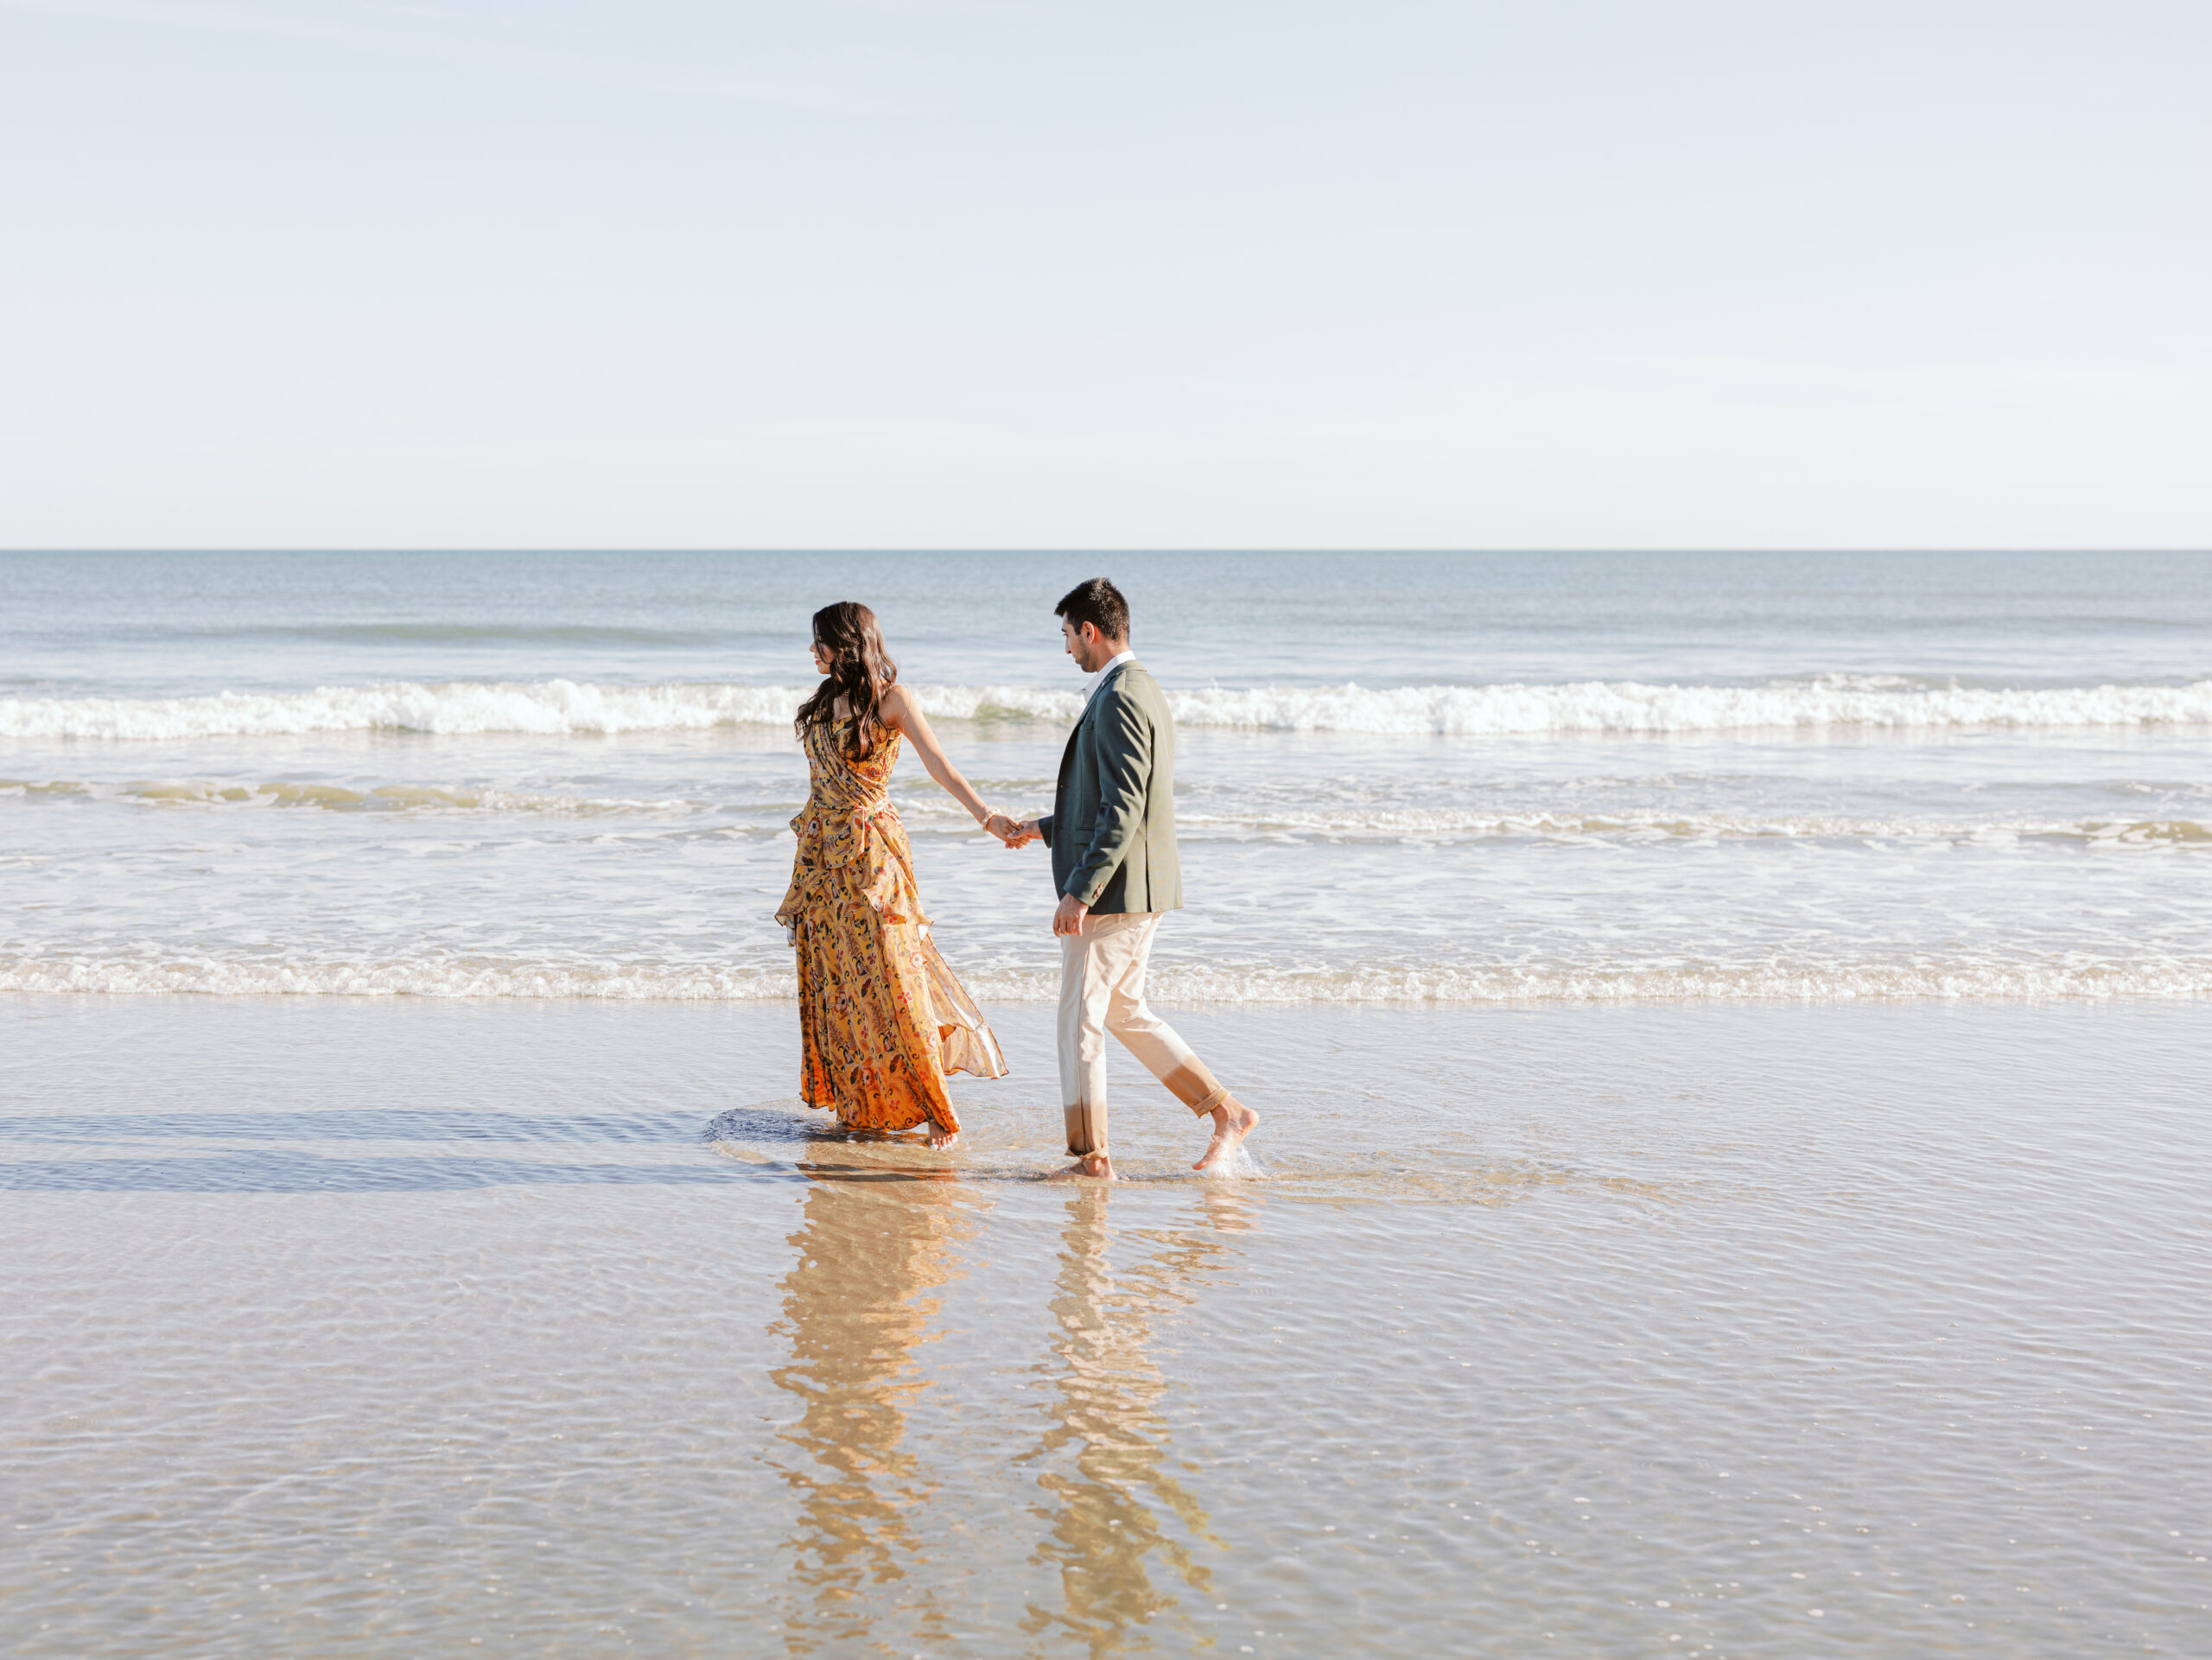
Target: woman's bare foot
[(1232, 1122), (1097, 1165), (940, 1136)]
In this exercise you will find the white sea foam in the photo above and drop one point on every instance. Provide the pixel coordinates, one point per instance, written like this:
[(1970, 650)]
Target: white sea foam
[(552, 708), (1634, 706), (561, 707), (2069, 976), (934, 812)]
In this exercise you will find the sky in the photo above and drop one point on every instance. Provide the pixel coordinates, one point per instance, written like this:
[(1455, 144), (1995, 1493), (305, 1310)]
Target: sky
[(1019, 274)]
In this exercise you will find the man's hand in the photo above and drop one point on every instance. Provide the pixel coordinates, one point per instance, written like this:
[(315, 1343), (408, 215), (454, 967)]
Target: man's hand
[(1021, 832), (1068, 920)]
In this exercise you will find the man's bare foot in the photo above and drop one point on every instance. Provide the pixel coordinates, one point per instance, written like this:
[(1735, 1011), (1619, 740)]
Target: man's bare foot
[(940, 1136), (1097, 1165), (1232, 1122)]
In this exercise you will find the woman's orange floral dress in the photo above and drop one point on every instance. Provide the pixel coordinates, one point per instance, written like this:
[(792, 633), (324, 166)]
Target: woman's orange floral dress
[(881, 1017)]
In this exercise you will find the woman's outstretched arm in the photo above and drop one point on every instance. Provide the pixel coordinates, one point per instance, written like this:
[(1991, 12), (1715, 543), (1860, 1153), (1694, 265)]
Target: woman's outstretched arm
[(901, 709)]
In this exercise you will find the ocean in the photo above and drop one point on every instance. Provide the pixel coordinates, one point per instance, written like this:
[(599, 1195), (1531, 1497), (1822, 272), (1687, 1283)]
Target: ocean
[(1400, 778), (1729, 1032)]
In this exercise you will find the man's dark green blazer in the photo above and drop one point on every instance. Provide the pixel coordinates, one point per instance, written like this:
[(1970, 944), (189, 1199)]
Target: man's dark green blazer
[(1112, 826)]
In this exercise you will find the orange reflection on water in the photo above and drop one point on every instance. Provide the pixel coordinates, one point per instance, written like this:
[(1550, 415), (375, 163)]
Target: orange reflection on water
[(875, 1241)]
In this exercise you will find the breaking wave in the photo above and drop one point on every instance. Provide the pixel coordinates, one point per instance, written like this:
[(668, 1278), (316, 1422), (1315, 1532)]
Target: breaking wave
[(561, 707)]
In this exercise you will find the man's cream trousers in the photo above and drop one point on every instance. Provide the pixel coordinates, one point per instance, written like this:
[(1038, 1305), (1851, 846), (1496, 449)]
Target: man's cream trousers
[(1102, 990)]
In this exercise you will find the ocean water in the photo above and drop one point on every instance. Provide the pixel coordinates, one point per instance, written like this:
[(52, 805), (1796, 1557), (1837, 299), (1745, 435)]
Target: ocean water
[(1461, 779)]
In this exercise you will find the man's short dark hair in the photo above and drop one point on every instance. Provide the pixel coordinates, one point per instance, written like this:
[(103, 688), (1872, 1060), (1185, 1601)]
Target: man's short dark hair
[(1099, 603)]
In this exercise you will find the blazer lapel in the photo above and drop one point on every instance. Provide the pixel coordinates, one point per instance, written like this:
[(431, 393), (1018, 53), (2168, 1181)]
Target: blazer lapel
[(1067, 755)]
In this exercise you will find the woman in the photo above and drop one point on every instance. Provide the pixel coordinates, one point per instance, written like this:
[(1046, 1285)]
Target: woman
[(881, 1018)]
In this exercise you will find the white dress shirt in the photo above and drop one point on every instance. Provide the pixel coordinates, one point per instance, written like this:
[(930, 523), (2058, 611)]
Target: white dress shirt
[(1098, 678)]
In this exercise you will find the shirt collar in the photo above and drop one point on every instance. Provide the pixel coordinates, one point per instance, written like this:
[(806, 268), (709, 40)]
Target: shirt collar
[(1098, 679)]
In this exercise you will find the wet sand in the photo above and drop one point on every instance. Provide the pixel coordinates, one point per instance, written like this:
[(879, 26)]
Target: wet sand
[(384, 1328)]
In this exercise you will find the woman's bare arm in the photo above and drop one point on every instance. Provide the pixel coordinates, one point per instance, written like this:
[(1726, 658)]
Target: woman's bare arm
[(901, 709)]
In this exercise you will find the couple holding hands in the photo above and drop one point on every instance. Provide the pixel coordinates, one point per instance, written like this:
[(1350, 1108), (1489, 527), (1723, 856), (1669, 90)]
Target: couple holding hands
[(882, 1018)]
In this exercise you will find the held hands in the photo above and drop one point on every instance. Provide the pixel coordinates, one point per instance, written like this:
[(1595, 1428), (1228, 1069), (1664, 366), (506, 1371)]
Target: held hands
[(1067, 919)]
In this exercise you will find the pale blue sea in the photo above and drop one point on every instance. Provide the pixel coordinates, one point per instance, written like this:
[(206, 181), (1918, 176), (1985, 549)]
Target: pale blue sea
[(1400, 777)]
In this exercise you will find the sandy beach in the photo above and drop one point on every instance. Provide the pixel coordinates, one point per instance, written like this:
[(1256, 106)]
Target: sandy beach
[(366, 1327)]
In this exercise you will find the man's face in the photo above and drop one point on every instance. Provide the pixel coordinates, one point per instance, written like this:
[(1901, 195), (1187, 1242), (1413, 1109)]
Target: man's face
[(1084, 646)]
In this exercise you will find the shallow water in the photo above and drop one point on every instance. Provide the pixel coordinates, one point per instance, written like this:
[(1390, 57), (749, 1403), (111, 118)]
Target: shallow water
[(360, 1327)]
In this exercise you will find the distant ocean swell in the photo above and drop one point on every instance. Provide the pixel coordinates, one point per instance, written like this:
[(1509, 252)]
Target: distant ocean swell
[(558, 707), (2072, 976), (333, 797)]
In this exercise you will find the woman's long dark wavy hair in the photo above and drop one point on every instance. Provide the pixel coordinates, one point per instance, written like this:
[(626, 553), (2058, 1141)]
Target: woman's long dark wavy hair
[(860, 671)]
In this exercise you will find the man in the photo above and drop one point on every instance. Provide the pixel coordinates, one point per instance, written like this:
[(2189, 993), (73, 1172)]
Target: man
[(1112, 835)]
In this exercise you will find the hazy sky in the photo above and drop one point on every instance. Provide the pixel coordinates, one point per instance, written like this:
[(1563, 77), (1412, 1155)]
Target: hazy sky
[(1540, 274)]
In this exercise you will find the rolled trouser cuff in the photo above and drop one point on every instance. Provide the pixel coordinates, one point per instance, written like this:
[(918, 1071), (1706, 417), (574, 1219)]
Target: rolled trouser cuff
[(1086, 1130), (1205, 1106), (1188, 1079)]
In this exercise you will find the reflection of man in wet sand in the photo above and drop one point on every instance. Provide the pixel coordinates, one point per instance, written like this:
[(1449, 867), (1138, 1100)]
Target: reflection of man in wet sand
[(1107, 1390), (1112, 834)]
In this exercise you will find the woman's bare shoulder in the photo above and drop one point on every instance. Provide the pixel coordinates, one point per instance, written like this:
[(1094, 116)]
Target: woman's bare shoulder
[(896, 703)]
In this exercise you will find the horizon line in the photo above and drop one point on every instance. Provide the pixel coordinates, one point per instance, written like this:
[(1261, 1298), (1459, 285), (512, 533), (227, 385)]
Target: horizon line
[(1103, 550)]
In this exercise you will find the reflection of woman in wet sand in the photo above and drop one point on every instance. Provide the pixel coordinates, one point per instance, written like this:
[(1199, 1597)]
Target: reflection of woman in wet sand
[(878, 1237), (875, 1242), (882, 1018), (1109, 1389)]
